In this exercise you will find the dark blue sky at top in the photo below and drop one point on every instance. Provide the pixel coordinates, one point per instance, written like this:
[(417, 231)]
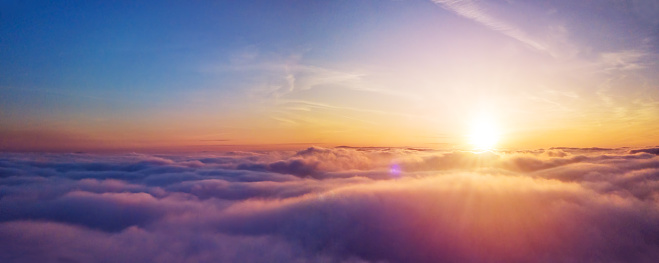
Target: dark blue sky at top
[(131, 44), (115, 44), (73, 56)]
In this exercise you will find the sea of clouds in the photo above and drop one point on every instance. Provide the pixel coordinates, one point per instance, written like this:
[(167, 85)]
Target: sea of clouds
[(332, 205)]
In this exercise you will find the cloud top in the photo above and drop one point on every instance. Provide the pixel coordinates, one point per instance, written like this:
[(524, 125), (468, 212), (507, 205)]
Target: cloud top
[(332, 205)]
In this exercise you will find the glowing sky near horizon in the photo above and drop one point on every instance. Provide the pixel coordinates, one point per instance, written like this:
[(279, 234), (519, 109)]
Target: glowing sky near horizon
[(126, 74)]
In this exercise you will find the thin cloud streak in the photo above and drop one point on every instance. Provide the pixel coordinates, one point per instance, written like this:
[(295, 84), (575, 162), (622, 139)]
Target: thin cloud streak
[(472, 10)]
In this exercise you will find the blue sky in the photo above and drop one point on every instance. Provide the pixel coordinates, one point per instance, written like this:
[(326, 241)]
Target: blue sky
[(404, 72)]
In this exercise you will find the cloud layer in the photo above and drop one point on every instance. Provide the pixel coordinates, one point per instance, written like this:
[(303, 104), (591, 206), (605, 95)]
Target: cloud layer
[(332, 205)]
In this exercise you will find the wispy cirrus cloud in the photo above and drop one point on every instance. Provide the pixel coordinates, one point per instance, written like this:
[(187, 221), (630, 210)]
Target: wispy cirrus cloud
[(625, 60), (471, 9)]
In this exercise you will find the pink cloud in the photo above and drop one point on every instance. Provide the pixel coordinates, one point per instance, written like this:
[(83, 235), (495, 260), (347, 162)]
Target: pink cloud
[(555, 205)]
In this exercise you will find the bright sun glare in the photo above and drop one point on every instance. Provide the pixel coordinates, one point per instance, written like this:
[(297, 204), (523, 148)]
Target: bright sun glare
[(483, 135)]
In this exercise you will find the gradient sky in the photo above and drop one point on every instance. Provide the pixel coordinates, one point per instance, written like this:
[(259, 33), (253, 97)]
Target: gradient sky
[(140, 74)]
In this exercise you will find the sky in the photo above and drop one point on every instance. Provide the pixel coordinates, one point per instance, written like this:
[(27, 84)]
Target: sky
[(102, 75)]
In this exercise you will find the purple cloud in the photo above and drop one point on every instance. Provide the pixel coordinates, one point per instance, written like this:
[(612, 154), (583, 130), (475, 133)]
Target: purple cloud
[(332, 204)]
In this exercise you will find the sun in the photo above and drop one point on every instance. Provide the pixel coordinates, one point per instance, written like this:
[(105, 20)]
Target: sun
[(484, 134)]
